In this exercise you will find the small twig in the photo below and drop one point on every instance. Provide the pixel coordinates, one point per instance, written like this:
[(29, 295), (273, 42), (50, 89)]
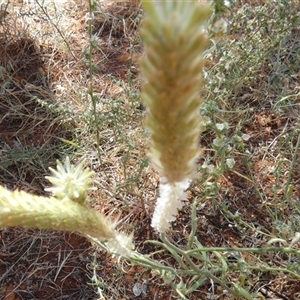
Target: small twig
[(56, 27)]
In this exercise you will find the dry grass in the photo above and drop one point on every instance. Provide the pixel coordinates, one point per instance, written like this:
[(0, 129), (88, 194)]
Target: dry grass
[(46, 113), (44, 265)]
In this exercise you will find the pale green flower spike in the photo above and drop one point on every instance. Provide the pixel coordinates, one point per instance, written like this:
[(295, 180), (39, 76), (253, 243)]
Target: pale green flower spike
[(70, 181), (65, 212), (174, 41), (19, 208)]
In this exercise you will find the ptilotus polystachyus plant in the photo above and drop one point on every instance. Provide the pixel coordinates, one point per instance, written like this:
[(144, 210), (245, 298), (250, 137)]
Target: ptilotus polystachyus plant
[(66, 210), (18, 208), (174, 40)]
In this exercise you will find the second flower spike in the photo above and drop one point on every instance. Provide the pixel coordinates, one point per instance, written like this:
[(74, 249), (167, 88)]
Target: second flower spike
[(174, 41)]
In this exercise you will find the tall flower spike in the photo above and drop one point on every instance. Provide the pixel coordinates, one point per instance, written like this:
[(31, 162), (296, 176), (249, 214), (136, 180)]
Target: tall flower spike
[(65, 211), (174, 41), (22, 209), (19, 208)]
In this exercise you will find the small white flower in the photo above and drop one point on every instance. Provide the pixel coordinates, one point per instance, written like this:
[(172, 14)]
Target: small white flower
[(220, 26), (210, 168), (230, 162), (170, 201), (70, 181), (94, 38), (222, 126), (246, 137), (219, 142)]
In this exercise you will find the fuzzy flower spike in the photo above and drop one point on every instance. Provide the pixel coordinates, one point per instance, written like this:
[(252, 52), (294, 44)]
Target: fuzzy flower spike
[(65, 210), (174, 41)]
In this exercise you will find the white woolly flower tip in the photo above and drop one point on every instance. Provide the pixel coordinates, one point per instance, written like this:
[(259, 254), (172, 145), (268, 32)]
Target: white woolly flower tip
[(121, 245), (170, 201), (70, 181)]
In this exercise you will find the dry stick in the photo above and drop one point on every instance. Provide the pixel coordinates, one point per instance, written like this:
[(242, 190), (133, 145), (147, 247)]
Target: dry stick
[(293, 163), (91, 89)]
